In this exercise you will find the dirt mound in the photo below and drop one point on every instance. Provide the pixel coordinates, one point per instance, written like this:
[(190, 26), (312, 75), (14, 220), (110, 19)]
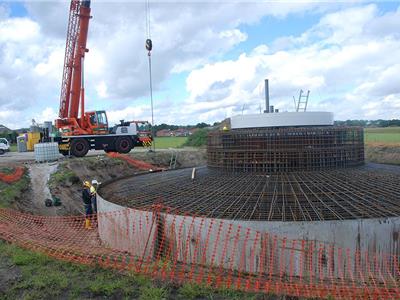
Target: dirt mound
[(184, 158), (383, 154), (66, 183)]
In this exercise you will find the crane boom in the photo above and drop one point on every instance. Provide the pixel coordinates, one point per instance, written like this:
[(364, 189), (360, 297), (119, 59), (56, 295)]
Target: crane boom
[(72, 31), (71, 88)]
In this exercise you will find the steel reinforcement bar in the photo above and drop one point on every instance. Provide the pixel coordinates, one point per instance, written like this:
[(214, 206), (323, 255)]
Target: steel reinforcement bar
[(354, 193), (282, 150)]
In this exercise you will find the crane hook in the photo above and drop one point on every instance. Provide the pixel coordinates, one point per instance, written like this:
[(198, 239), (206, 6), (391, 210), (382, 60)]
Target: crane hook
[(149, 45)]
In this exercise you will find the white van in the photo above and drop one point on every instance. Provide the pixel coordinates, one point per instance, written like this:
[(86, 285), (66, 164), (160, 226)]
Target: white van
[(4, 146)]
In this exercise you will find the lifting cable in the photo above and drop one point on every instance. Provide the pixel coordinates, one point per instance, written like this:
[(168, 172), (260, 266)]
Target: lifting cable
[(149, 47)]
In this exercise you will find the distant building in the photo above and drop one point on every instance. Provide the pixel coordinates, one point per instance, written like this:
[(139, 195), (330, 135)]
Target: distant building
[(164, 132), (181, 132), (177, 132), (4, 129), (193, 130)]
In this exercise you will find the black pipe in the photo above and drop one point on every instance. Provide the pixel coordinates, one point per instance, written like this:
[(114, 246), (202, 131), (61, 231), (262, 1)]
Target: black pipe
[(266, 97)]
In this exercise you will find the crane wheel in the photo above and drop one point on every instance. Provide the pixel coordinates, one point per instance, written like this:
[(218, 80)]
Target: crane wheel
[(123, 144), (79, 147)]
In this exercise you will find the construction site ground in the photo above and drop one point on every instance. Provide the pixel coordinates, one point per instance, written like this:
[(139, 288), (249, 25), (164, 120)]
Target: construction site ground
[(63, 179), (28, 275)]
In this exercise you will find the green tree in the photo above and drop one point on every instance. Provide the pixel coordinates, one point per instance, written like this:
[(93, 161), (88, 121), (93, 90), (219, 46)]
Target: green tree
[(197, 139)]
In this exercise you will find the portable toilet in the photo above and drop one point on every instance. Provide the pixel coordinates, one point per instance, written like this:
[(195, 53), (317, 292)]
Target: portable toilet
[(21, 143)]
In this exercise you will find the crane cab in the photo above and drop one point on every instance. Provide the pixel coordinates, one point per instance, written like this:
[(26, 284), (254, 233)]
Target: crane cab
[(93, 123), (97, 122)]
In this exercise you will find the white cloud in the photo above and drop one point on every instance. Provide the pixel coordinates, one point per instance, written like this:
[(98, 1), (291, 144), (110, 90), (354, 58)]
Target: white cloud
[(342, 56), (48, 114), (185, 35), (101, 89), (18, 30), (339, 58), (4, 11), (127, 114)]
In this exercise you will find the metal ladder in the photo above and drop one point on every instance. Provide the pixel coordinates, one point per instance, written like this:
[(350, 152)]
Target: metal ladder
[(301, 103), (172, 162)]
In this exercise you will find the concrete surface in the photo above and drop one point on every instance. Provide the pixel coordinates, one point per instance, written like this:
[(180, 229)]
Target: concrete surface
[(126, 229)]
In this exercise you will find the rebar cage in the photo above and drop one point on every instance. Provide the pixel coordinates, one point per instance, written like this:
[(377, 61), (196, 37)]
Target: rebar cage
[(369, 191), (283, 150)]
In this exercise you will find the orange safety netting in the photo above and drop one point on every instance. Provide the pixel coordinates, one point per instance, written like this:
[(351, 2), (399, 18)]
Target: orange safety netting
[(218, 253), (13, 177), (136, 163)]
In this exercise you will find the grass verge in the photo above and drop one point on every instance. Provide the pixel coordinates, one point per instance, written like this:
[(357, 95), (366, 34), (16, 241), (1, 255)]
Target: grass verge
[(13, 148), (11, 192), (170, 142), (36, 276), (386, 135), (63, 176)]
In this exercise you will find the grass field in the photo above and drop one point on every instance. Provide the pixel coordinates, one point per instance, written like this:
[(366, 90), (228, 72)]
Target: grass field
[(170, 142), (29, 275), (387, 135), (382, 145)]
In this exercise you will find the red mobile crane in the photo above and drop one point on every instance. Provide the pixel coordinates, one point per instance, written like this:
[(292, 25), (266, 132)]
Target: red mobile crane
[(88, 130)]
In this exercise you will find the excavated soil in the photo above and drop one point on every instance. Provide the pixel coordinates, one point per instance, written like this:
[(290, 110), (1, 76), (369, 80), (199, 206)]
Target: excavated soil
[(103, 168), (383, 154)]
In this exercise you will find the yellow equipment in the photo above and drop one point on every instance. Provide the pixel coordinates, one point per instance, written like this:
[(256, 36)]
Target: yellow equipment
[(33, 138)]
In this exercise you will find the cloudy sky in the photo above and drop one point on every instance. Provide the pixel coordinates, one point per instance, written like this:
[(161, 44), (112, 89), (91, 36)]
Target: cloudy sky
[(209, 58)]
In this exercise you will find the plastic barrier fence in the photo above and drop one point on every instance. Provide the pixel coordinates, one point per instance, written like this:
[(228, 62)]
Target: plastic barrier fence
[(183, 248), (13, 177), (136, 163)]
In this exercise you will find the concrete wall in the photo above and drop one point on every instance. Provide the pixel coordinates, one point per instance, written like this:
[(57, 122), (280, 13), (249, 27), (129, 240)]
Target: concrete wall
[(322, 248), (125, 229), (282, 119)]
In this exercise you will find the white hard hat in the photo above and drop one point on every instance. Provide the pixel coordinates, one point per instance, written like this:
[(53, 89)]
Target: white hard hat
[(94, 181)]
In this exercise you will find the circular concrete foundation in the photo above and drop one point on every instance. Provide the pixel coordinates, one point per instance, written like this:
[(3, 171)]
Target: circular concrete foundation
[(249, 237)]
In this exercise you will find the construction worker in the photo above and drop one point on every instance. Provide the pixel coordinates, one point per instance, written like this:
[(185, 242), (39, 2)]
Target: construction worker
[(87, 202), (93, 193)]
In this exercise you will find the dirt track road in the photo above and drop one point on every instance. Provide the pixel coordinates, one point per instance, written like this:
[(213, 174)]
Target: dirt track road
[(12, 157), (40, 174), (30, 156)]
